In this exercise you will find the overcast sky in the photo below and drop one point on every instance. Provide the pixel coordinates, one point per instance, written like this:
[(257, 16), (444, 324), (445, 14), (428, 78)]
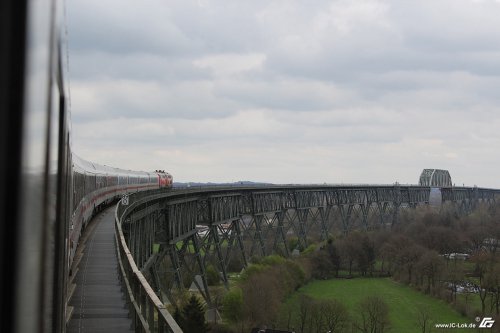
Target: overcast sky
[(288, 91)]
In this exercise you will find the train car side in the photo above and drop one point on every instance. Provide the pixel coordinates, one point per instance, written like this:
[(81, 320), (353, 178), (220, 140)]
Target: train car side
[(96, 186)]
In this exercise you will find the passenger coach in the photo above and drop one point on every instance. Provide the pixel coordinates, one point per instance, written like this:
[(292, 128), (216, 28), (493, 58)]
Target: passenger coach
[(96, 186)]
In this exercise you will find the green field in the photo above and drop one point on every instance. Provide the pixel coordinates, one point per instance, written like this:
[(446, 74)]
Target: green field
[(404, 303)]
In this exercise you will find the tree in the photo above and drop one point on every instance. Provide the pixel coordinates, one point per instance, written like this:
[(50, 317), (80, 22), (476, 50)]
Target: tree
[(334, 256), (454, 274), (305, 306), (440, 238), (387, 253), (429, 266), (424, 320), (366, 255), (316, 322), (178, 316), (262, 296), (232, 305), (492, 284), (374, 315), (217, 302), (193, 317), (321, 316), (335, 315), (397, 252), (476, 237), (321, 264), (408, 258), (213, 277), (350, 248), (482, 261)]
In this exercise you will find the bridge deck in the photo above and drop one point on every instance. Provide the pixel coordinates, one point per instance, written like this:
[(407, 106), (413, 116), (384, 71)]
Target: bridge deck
[(98, 302)]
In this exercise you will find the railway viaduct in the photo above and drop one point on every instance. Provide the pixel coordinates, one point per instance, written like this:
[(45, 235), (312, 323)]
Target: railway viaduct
[(161, 249)]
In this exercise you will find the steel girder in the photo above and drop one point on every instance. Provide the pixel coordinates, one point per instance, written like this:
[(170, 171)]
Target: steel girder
[(161, 230), (435, 178), (466, 199), (245, 222)]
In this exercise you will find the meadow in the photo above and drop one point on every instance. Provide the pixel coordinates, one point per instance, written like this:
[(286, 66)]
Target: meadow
[(405, 304)]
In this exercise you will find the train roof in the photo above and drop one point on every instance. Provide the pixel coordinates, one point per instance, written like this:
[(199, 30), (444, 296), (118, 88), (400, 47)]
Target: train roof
[(91, 167)]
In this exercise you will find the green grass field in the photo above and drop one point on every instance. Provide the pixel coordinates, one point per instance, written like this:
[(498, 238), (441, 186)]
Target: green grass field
[(404, 303)]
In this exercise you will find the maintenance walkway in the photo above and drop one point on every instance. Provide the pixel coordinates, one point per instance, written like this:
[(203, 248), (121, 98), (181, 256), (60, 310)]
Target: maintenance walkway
[(98, 301)]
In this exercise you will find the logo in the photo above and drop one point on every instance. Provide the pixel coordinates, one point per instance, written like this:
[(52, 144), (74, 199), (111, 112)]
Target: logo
[(487, 322), (125, 202)]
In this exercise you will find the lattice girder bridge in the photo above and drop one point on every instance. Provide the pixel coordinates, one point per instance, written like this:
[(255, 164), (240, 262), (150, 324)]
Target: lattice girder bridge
[(163, 230)]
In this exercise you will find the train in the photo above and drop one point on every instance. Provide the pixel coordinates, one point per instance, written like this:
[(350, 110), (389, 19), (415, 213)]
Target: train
[(95, 186), (47, 193)]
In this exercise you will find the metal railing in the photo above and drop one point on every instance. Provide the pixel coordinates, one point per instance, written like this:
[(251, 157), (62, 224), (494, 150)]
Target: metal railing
[(148, 312)]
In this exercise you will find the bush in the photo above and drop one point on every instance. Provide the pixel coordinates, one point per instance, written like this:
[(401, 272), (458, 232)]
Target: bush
[(272, 260), (192, 317), (213, 277), (297, 273), (310, 249), (262, 289), (293, 243), (235, 263), (220, 328), (232, 305), (251, 270)]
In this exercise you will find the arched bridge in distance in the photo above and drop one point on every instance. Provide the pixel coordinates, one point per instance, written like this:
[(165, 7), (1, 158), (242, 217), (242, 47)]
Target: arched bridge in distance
[(167, 238)]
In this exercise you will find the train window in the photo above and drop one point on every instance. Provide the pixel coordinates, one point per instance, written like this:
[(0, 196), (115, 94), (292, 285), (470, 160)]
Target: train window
[(100, 181), (90, 183), (112, 180)]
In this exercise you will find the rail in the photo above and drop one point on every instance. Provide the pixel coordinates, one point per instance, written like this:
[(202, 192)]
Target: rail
[(148, 312)]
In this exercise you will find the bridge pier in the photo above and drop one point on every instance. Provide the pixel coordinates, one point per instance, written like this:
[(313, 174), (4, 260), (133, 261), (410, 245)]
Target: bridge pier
[(214, 239), (346, 217), (324, 213), (235, 237), (199, 260), (280, 236), (302, 214)]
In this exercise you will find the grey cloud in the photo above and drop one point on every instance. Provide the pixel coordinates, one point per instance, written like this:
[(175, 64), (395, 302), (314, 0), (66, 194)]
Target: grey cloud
[(122, 27), (288, 91), (282, 94), (92, 66), (148, 99)]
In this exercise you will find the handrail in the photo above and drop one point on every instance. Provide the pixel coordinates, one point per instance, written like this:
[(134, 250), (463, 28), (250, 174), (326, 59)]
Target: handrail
[(148, 312)]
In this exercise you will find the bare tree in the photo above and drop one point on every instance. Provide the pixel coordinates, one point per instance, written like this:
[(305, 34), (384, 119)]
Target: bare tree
[(321, 316), (454, 274), (481, 260), (317, 320), (374, 315), (262, 297), (429, 266), (305, 305), (424, 321), (492, 284), (335, 316), (348, 249), (408, 258), (476, 236)]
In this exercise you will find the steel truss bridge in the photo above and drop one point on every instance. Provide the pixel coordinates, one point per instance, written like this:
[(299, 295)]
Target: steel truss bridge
[(162, 248)]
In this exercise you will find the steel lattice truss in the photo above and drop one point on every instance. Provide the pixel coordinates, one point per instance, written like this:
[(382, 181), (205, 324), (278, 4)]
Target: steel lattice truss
[(435, 178), (239, 223)]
